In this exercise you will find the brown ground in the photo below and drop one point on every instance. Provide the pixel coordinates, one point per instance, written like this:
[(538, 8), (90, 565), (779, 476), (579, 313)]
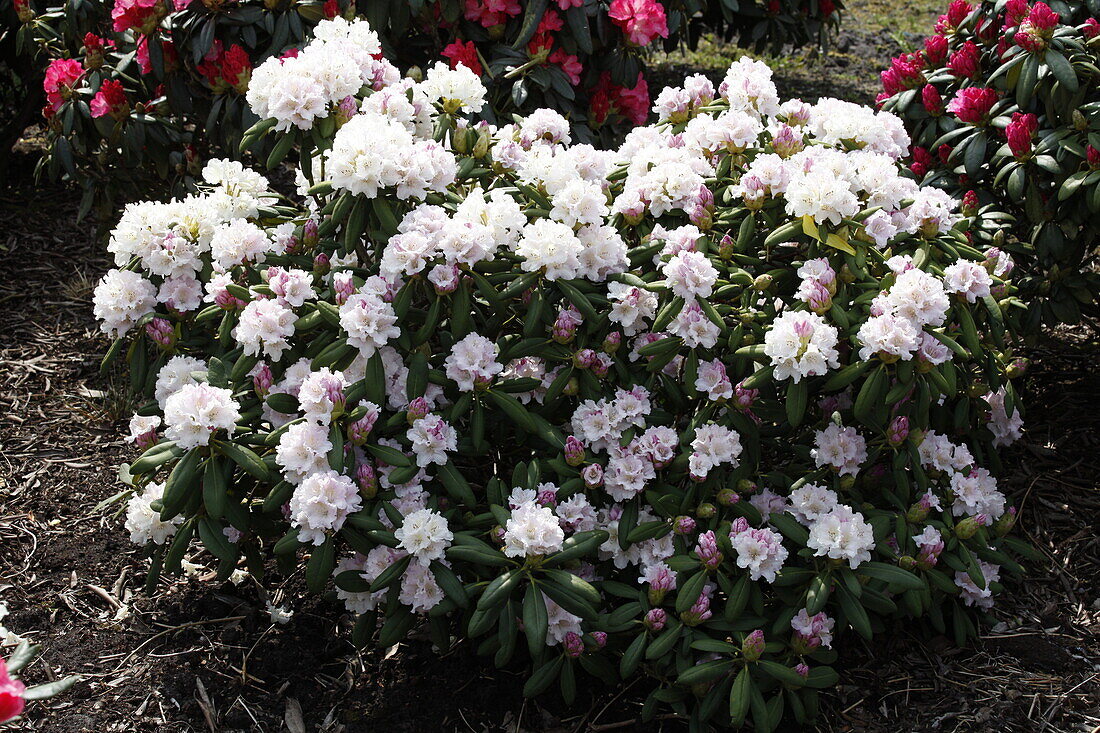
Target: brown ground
[(198, 656)]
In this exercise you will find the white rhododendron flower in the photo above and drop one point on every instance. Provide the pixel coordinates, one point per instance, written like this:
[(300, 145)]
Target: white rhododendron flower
[(473, 362), (265, 327), (196, 411), (425, 535), (321, 503), (842, 535), (800, 345), (121, 299), (532, 530), (143, 523)]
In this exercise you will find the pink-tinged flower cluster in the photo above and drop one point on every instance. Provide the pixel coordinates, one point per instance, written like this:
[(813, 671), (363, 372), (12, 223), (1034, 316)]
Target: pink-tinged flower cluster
[(973, 104), (640, 20), (141, 16), (491, 13), (110, 100), (62, 76), (1020, 132), (905, 72), (811, 632), (1036, 28)]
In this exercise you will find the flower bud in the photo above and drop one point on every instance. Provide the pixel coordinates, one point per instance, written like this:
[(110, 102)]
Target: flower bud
[(726, 247), (584, 358), (762, 283), (417, 409), (655, 619), (705, 510), (481, 146), (321, 265), (367, 480), (967, 528), (970, 203), (262, 379), (683, 525), (898, 432), (1080, 122), (574, 645), (728, 497), (753, 646), (906, 562), (802, 669), (707, 549), (600, 639), (1017, 367), (360, 429), (343, 286), (572, 387), (744, 486), (161, 332), (1006, 522), (612, 342), (310, 235), (574, 451)]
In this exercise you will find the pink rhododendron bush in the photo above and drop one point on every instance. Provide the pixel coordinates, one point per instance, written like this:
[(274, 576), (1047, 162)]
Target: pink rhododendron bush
[(1004, 108), (701, 408)]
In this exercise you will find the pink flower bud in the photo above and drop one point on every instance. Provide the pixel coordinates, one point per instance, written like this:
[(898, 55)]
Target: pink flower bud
[(744, 397), (547, 497), (655, 619), (262, 379), (707, 549), (347, 109), (898, 431), (683, 525), (367, 480), (935, 50), (565, 325), (310, 235), (321, 265), (574, 451), (574, 645), (967, 528), (787, 142), (417, 409), (612, 342), (584, 358), (1019, 133), (738, 526), (802, 669), (161, 332), (753, 647), (699, 611), (726, 247), (932, 101)]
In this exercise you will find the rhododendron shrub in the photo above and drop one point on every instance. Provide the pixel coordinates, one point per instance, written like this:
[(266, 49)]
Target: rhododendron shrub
[(143, 90), (697, 408), (140, 91), (1002, 105)]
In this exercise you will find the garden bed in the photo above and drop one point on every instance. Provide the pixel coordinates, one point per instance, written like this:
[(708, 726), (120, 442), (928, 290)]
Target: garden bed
[(151, 662)]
